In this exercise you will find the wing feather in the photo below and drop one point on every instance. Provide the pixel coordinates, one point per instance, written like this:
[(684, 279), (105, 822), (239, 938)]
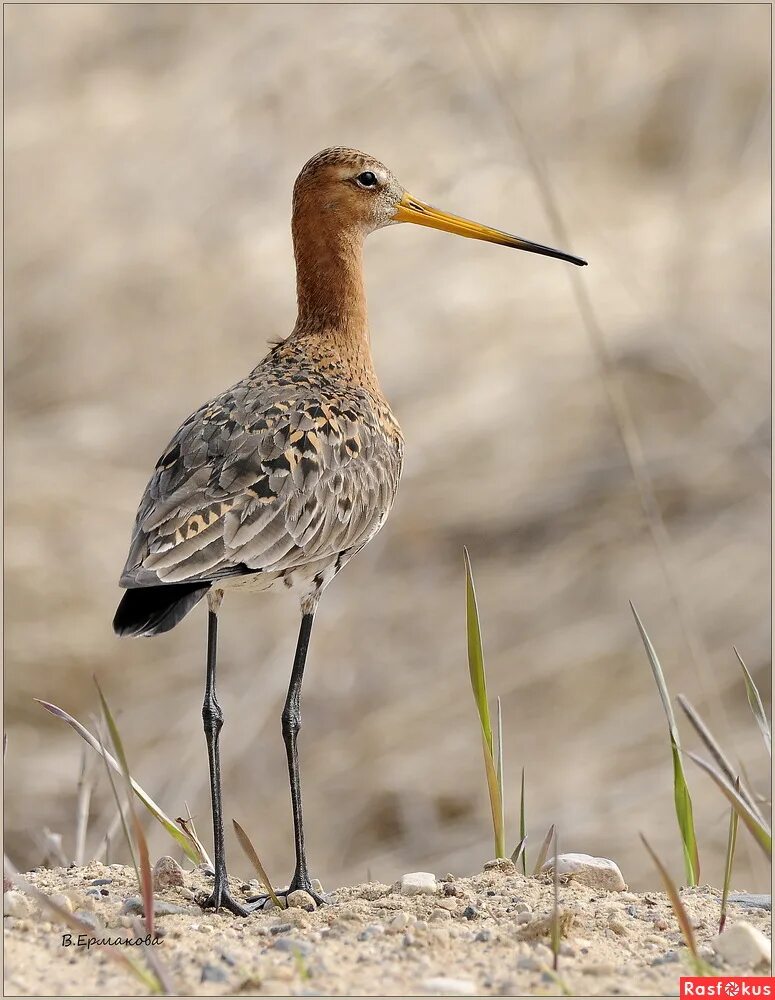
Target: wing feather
[(253, 482)]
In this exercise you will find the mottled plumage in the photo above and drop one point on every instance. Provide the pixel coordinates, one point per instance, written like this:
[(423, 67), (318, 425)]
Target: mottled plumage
[(286, 474)]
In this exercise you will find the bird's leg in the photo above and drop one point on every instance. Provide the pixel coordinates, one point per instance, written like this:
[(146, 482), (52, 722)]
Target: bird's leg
[(212, 716), (291, 725)]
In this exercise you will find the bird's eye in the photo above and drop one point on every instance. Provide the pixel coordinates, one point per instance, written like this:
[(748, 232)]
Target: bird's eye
[(367, 179)]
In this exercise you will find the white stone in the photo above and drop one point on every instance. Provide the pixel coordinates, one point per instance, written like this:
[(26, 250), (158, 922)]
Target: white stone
[(742, 944), (598, 873), (16, 904), (419, 884), (449, 987), (401, 921)]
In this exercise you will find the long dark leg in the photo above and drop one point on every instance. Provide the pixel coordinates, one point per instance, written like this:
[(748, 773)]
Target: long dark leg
[(291, 727), (212, 716)]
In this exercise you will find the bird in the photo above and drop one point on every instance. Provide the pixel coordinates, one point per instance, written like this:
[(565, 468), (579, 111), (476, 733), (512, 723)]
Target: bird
[(284, 477)]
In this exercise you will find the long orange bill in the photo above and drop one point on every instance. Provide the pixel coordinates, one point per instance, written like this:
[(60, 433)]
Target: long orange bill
[(412, 210)]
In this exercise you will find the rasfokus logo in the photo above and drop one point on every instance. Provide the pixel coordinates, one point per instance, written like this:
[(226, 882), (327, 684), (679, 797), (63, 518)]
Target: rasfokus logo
[(727, 986)]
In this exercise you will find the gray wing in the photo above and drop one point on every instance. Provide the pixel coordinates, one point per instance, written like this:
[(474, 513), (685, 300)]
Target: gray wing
[(253, 482)]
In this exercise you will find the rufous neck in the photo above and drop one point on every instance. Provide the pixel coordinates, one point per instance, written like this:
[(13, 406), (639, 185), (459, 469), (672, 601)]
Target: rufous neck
[(329, 282)]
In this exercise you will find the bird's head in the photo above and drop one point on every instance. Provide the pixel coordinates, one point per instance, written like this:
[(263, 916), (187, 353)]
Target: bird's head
[(347, 189)]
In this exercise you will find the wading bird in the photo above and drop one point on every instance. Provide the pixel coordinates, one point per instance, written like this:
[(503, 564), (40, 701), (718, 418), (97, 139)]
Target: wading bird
[(284, 477)]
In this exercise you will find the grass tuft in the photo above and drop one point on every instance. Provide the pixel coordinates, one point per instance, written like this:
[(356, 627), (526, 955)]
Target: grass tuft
[(683, 802), (189, 847)]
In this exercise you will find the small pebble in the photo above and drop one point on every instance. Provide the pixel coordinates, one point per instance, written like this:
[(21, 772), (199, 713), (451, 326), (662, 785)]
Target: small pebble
[(59, 899), (440, 914), (598, 969), (470, 912), (483, 935), (280, 928), (751, 900), (373, 930), (293, 945), (301, 900), (450, 889), (522, 908), (505, 865), (16, 904), (449, 987), (419, 884), (166, 872), (401, 921), (88, 918), (101, 881), (524, 918), (212, 974), (161, 907)]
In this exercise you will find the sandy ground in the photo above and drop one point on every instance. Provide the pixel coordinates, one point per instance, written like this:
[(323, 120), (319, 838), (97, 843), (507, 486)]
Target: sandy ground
[(486, 932)]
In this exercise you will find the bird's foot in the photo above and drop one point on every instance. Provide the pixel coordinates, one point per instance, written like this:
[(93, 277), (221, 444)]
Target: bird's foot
[(316, 899), (221, 898)]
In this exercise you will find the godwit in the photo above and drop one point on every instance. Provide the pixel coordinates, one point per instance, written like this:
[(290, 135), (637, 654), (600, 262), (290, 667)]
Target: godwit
[(290, 472)]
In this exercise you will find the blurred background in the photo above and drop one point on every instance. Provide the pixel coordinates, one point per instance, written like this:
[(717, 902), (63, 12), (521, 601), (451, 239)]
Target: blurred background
[(150, 155)]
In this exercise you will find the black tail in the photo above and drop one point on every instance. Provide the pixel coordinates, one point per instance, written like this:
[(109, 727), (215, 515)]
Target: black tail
[(153, 610)]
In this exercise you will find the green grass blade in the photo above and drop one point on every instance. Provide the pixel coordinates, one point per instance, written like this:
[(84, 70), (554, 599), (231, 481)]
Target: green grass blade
[(475, 656), (499, 768), (146, 878), (522, 823), (190, 850), (479, 688), (683, 801), (253, 858), (701, 967), (543, 851), (758, 829), (120, 808), (519, 851), (755, 701), (729, 862)]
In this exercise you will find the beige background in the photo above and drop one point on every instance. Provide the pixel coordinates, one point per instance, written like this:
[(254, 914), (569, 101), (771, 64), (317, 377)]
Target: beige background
[(150, 154)]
